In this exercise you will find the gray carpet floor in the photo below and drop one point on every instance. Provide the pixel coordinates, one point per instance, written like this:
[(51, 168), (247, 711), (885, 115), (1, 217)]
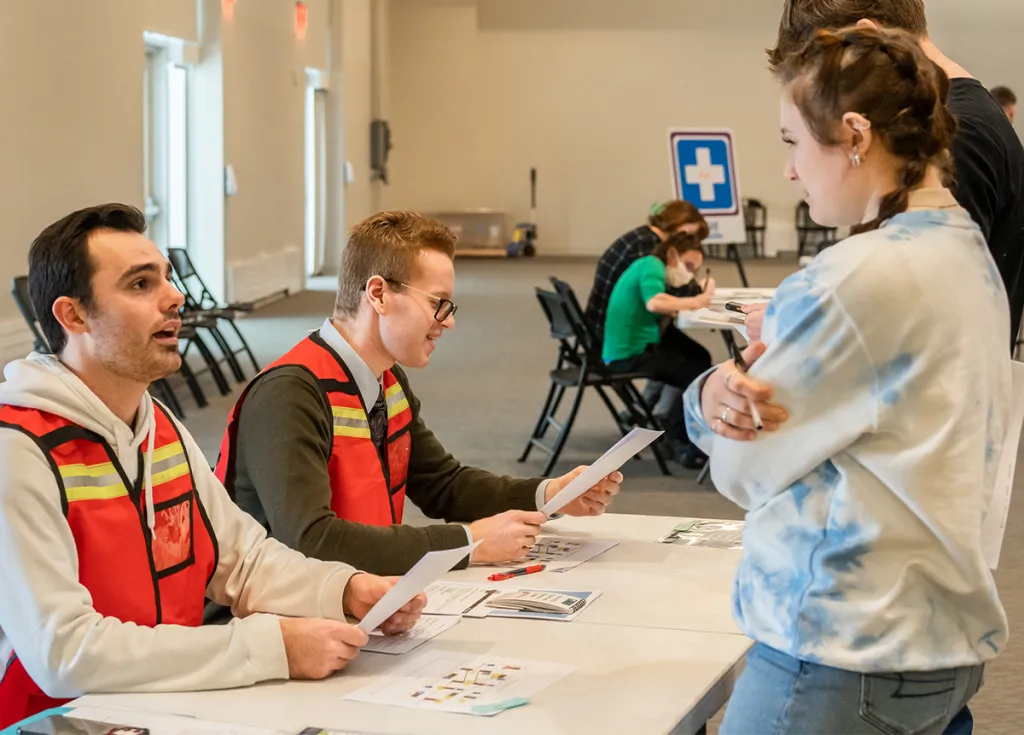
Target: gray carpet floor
[(483, 390)]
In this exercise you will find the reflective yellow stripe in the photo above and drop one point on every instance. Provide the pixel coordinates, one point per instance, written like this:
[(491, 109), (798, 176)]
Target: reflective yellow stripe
[(398, 408), (87, 470), (396, 388), (168, 451), (359, 433), (170, 474), (109, 492), (348, 413)]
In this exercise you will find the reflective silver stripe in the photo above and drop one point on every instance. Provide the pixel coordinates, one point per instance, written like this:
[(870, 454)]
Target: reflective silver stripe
[(355, 423), (170, 462), (395, 398), (98, 481)]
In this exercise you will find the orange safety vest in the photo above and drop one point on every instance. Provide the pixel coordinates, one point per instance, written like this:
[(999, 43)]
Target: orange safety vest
[(367, 484), (131, 574)]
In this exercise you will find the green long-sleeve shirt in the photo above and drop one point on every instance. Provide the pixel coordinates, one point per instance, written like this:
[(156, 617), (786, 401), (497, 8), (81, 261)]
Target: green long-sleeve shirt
[(285, 434)]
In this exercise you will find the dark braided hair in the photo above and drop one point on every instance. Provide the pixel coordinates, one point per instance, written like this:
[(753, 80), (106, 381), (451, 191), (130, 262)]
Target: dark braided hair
[(884, 76)]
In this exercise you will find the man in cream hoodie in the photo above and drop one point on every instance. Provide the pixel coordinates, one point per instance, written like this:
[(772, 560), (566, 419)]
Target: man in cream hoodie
[(113, 529)]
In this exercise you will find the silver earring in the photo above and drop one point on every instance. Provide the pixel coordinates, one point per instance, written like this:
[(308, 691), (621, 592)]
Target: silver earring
[(855, 159)]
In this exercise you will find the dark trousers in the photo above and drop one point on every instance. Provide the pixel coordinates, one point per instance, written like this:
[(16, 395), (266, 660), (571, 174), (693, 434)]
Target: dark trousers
[(677, 360)]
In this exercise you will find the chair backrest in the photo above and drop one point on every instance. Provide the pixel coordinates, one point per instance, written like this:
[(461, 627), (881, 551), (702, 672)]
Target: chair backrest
[(197, 295), (22, 299), (586, 339), (558, 319), (755, 214)]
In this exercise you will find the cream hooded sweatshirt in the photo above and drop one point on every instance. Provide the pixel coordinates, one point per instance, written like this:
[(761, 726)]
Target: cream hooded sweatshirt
[(47, 617)]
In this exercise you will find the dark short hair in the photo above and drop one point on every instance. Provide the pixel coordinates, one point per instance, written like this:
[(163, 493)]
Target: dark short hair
[(59, 262), (682, 242), (1004, 96), (801, 18)]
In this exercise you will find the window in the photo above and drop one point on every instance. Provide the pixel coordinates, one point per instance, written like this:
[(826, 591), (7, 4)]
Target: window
[(166, 144)]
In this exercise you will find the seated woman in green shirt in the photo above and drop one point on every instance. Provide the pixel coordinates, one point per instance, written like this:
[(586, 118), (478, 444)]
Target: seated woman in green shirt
[(639, 336)]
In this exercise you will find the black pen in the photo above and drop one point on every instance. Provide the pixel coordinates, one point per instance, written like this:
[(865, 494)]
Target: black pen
[(743, 368), (707, 280)]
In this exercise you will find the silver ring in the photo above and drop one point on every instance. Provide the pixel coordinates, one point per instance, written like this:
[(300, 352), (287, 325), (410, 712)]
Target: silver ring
[(725, 415)]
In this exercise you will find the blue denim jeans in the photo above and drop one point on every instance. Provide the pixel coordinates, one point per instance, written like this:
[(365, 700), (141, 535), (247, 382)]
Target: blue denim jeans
[(777, 694)]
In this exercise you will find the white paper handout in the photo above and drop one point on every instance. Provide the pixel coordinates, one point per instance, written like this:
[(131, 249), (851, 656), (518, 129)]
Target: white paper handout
[(427, 627), (993, 523), (447, 681), (164, 724), (430, 568), (458, 598), (631, 444), (713, 534), (561, 554)]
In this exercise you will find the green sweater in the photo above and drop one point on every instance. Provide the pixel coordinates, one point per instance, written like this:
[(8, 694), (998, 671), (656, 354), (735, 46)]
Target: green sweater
[(629, 327), (285, 435)]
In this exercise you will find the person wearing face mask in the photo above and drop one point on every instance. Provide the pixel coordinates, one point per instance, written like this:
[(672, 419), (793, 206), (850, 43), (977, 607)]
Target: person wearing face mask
[(326, 444), (885, 404), (639, 336), (113, 529)]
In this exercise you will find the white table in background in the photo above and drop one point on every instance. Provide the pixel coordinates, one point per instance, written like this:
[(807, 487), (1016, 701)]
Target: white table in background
[(643, 583), (629, 680)]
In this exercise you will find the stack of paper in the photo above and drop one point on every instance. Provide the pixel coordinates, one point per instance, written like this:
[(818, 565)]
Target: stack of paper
[(560, 554), (427, 627)]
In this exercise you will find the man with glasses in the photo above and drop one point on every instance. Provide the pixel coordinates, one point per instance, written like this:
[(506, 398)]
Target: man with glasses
[(324, 446)]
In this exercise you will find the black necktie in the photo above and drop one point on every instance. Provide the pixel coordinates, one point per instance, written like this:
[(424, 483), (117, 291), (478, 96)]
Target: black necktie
[(378, 419)]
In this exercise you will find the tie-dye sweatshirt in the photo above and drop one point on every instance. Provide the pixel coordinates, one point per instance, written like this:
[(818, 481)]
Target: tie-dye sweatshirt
[(862, 543)]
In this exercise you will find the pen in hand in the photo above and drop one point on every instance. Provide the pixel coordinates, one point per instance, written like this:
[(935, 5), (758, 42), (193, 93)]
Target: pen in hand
[(743, 368)]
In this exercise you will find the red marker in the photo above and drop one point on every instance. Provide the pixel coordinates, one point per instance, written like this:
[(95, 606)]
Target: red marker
[(517, 572)]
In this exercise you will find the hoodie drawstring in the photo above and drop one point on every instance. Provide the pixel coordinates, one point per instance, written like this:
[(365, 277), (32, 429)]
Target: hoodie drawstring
[(148, 475)]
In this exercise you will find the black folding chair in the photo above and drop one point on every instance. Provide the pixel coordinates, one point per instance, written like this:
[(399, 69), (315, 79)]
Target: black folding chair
[(200, 300), (755, 217), (810, 235), (578, 367), (22, 299)]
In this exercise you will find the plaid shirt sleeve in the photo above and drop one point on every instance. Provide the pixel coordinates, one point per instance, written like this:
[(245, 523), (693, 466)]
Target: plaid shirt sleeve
[(628, 248)]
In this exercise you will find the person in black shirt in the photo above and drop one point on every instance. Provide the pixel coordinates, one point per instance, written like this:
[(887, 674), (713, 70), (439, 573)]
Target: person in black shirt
[(1007, 100), (988, 157)]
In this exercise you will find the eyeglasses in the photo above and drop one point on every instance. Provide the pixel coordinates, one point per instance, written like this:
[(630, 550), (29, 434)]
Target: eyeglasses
[(444, 307)]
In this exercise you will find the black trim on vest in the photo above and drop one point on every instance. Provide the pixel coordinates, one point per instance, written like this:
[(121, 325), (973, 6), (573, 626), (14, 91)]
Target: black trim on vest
[(49, 458), (382, 455), (336, 386), (66, 434), (400, 433), (134, 492), (230, 471), (172, 502), (400, 488)]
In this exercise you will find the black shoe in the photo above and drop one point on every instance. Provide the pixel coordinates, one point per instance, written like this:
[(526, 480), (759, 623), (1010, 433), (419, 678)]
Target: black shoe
[(693, 458)]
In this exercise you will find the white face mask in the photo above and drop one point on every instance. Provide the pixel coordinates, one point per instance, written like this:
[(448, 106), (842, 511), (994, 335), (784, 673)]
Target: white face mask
[(678, 276)]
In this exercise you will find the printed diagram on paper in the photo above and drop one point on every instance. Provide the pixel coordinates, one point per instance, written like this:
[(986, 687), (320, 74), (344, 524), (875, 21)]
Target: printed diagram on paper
[(452, 682), (561, 554), (711, 534)]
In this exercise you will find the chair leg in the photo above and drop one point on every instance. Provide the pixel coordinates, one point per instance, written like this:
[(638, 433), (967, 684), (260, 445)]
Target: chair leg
[(167, 396), (245, 345), (229, 354), (193, 385), (563, 434), (542, 423), (704, 472), (643, 411), (211, 363), (611, 408)]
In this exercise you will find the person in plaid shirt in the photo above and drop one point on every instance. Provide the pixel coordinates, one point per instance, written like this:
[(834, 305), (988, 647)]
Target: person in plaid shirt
[(666, 220)]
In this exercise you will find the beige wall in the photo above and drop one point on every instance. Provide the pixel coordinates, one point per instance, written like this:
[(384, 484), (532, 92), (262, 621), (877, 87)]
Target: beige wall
[(473, 109), (585, 90), (264, 93)]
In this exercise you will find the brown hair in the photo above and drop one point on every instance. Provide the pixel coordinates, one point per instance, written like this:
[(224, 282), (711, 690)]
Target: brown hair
[(681, 242), (801, 18), (387, 244), (670, 216), (884, 76)]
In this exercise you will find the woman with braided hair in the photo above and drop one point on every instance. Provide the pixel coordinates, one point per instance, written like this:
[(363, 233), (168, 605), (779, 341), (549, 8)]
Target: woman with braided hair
[(883, 391)]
